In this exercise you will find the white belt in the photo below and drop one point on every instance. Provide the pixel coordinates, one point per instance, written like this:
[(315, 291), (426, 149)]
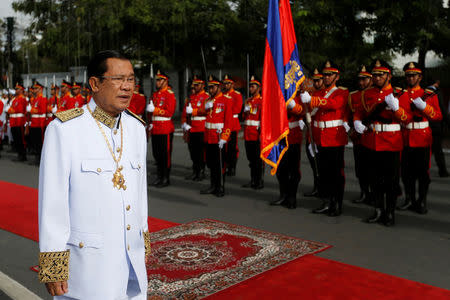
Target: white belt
[(158, 118), (198, 118), (213, 125), (236, 116), (251, 123), (50, 115), (293, 124), (385, 127), (38, 116), (16, 115), (328, 124), (417, 125)]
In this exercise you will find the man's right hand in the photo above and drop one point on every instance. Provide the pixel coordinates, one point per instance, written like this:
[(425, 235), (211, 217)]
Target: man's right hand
[(57, 288)]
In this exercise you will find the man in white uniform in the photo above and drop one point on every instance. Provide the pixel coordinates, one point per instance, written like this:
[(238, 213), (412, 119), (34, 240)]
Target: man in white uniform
[(93, 234)]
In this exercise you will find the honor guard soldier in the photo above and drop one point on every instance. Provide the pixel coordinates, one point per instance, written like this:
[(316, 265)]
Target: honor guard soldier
[(77, 99), (2, 122), (193, 120), (330, 136), (162, 108), (93, 232), (219, 117), (361, 154), (379, 119), (252, 125), (423, 105), (38, 116), (288, 172), (318, 85), (232, 149), (16, 114), (52, 104), (66, 98), (138, 101)]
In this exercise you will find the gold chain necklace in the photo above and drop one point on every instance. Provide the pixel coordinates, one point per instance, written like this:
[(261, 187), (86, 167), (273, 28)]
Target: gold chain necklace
[(118, 179)]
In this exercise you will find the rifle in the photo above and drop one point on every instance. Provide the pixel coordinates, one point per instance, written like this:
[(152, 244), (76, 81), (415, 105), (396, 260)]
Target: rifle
[(148, 116), (311, 137), (374, 115)]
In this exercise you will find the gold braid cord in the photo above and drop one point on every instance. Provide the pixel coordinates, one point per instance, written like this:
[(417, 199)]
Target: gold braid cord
[(317, 101), (147, 243), (429, 111), (54, 266), (400, 114)]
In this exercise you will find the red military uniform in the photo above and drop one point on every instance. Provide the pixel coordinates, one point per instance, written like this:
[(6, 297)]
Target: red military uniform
[(252, 118), (17, 120), (38, 112), (66, 102), (51, 102), (198, 116), (164, 102), (328, 129), (76, 101), (236, 104), (219, 118), (423, 106), (384, 132), (137, 104)]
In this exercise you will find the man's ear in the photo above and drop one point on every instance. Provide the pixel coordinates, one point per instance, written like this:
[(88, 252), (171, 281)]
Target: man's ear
[(94, 83)]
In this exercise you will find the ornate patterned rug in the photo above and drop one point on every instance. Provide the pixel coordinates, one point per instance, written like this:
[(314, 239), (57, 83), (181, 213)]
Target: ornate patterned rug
[(197, 259)]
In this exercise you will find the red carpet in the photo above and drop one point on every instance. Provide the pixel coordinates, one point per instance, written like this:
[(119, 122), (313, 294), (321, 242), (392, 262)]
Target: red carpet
[(308, 278)]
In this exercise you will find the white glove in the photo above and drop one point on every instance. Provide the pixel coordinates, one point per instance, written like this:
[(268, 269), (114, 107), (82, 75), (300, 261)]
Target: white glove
[(28, 108), (311, 151), (306, 97), (7, 107), (189, 109), (247, 108), (391, 102), (54, 109), (359, 126), (222, 143), (150, 107), (209, 105), (419, 103), (186, 127), (150, 127), (291, 104), (301, 124), (347, 128)]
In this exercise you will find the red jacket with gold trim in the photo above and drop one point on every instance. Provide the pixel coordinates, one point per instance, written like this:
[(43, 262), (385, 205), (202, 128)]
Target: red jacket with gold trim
[(198, 116), (328, 129), (252, 118), (381, 140), (164, 102), (17, 111), (38, 112), (417, 133), (218, 119), (236, 104), (294, 116), (65, 102), (137, 104)]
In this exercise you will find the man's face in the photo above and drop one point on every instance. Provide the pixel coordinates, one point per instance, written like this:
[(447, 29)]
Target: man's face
[(36, 91), (413, 80), (161, 83), (253, 89), (52, 91), (364, 82), (198, 87), (76, 91), (379, 80), (318, 83), (330, 79), (64, 89), (19, 91), (113, 93), (227, 86), (213, 89)]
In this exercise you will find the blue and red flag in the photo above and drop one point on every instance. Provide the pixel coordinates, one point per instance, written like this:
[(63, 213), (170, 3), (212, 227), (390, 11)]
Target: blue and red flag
[(282, 76)]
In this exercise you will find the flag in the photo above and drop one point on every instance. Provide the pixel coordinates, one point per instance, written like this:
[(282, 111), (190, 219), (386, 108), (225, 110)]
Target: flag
[(282, 76)]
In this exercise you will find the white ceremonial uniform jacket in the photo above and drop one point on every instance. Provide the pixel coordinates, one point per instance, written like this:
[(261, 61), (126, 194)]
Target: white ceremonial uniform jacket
[(81, 211)]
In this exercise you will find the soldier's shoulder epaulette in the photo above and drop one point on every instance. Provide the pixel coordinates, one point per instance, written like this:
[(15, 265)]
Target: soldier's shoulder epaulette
[(135, 116), (227, 96), (342, 88), (237, 92), (142, 95), (170, 91), (353, 92), (70, 114)]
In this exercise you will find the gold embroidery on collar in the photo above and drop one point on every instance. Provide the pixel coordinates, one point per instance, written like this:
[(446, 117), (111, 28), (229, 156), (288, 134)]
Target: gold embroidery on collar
[(54, 266), (101, 115)]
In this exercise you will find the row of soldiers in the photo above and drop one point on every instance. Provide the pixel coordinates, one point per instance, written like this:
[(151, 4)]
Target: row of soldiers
[(389, 128), (25, 113)]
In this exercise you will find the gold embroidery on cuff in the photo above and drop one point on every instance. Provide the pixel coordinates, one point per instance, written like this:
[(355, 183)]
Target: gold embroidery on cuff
[(147, 243), (54, 266)]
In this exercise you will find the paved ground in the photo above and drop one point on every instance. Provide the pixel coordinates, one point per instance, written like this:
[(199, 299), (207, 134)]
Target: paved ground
[(417, 248)]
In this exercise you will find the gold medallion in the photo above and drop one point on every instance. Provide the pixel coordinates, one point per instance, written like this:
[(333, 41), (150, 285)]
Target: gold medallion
[(118, 179)]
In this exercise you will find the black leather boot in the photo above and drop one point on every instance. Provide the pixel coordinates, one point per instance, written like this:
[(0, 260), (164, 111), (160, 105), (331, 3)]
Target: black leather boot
[(421, 206), (323, 209), (376, 217), (335, 206), (283, 195), (389, 219)]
